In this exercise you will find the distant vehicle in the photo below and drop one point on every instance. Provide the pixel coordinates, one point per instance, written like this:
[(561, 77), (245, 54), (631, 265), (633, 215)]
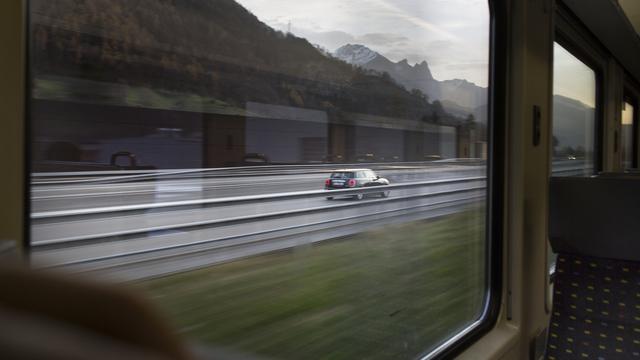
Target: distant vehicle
[(255, 159), (432, 157), (355, 178)]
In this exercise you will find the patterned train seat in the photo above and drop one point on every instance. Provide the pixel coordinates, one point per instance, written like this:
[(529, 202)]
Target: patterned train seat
[(596, 309), (596, 300)]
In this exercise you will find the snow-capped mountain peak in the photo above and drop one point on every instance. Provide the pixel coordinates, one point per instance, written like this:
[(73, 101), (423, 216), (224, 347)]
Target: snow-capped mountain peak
[(355, 54), (459, 92)]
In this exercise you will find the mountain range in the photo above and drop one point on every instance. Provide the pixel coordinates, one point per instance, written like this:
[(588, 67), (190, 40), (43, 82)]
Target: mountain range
[(457, 96), (573, 126)]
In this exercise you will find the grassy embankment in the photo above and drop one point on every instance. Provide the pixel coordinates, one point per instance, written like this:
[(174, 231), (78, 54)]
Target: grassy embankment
[(387, 293)]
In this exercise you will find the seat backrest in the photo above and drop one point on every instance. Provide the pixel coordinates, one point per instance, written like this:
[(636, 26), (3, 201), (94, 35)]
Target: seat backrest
[(597, 217), (594, 226)]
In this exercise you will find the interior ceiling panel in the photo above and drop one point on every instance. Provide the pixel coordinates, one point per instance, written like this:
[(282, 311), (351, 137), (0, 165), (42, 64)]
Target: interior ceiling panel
[(610, 24), (632, 9)]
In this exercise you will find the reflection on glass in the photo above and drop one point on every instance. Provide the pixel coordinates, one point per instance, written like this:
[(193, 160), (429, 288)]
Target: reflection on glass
[(170, 136), (626, 135), (574, 101)]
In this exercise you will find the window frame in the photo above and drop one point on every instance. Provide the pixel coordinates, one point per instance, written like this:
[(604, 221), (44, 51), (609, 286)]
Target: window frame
[(27, 131), (575, 38), (630, 96), (496, 171), (572, 35)]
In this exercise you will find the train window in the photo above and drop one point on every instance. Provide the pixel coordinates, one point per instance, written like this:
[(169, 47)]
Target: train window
[(289, 179), (627, 134), (573, 122), (574, 115)]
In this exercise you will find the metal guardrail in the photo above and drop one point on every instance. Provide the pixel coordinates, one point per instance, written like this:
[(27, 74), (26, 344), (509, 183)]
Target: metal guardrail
[(264, 232), (250, 218), (261, 170), (147, 257), (248, 198)]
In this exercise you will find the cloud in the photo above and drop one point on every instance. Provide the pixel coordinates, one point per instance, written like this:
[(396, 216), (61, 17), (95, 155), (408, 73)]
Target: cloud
[(415, 20), (383, 39), (439, 45)]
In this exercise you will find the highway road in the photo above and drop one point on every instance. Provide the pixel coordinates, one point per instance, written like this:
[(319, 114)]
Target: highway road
[(150, 226), (95, 193)]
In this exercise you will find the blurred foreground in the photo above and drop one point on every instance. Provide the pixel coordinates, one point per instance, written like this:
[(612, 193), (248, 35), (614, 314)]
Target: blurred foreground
[(378, 294)]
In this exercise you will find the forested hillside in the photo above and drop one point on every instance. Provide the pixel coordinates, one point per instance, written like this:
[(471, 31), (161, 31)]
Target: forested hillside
[(212, 48)]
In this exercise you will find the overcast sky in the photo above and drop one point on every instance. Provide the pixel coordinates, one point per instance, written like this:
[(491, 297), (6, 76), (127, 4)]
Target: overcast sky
[(451, 35), (572, 78)]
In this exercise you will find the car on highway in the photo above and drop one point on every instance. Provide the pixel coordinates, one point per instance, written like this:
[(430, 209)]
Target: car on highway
[(255, 159), (355, 178)]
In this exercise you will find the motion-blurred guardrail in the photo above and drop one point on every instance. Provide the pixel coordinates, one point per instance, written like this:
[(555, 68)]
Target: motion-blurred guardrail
[(145, 240), (118, 176)]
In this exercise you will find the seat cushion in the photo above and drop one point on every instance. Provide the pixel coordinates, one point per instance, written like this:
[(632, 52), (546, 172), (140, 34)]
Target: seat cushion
[(596, 309)]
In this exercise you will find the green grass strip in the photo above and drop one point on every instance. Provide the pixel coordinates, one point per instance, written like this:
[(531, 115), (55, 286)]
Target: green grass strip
[(389, 293)]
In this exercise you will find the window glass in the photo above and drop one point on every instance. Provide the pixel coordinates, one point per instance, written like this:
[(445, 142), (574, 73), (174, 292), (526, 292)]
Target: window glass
[(574, 113), (626, 135), (342, 175), (574, 102), (205, 150)]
